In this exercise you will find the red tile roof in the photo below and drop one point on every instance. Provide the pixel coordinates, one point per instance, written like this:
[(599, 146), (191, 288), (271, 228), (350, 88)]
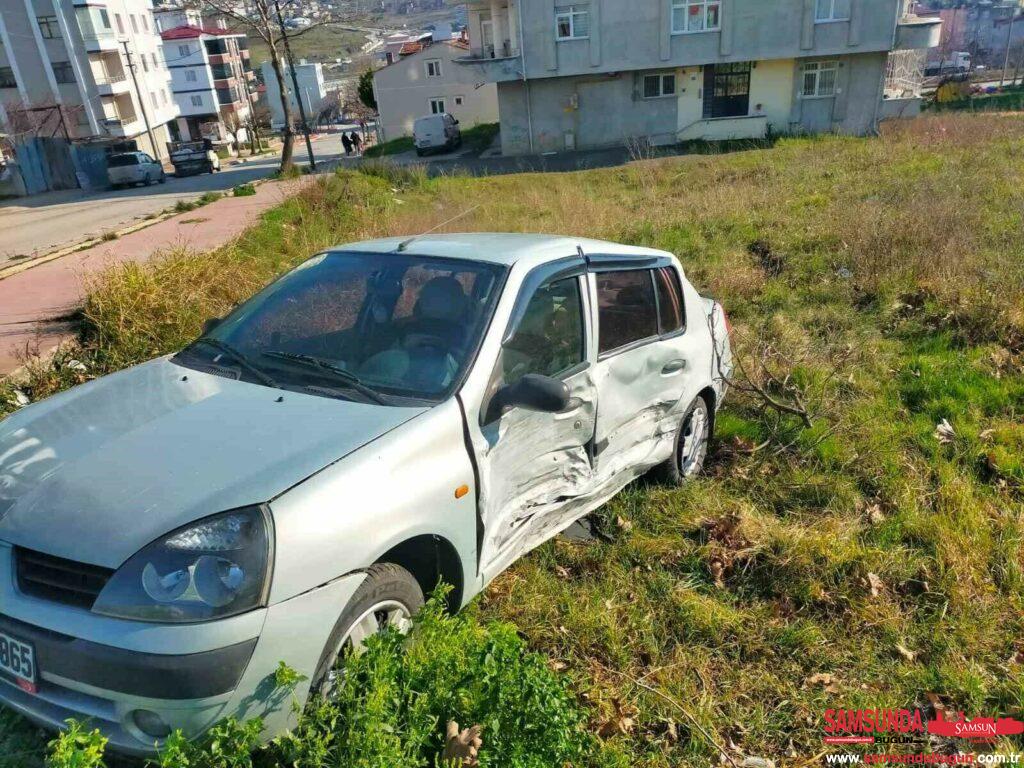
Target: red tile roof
[(185, 32)]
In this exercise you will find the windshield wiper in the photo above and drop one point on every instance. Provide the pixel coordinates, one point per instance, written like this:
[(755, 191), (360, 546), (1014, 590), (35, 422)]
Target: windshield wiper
[(353, 381), (239, 357)]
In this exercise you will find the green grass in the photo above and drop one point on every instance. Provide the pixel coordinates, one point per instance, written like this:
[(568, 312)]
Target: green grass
[(884, 280), (477, 139), (393, 147)]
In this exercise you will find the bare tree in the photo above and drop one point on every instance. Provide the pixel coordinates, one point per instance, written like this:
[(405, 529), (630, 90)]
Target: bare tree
[(265, 19)]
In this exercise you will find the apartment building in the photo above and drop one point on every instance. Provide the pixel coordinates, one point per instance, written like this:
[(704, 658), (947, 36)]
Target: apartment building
[(596, 73), (311, 86), (85, 69), (428, 81), (211, 79)]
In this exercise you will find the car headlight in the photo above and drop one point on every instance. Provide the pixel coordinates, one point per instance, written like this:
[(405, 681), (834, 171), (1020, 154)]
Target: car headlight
[(210, 569)]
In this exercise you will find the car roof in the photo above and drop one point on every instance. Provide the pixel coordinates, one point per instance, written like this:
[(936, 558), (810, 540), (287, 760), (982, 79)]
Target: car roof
[(500, 248)]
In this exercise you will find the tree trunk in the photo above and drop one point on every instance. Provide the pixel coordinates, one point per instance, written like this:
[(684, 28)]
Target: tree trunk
[(286, 107)]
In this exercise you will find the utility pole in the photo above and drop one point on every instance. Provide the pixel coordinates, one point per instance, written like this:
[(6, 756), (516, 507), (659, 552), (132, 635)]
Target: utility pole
[(1009, 43), (142, 102), (295, 84)]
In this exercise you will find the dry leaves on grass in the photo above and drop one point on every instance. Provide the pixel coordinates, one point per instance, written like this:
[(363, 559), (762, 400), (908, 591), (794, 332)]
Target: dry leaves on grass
[(462, 747), (829, 683), (622, 720)]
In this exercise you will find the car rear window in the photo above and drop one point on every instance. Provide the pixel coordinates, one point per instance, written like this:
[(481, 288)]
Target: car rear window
[(626, 308), (117, 161), (670, 300)]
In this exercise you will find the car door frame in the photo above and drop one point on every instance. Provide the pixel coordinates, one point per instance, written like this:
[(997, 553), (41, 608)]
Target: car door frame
[(475, 395), (614, 472)]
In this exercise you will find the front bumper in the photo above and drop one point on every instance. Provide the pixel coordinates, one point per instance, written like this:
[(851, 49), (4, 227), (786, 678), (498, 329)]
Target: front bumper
[(103, 670)]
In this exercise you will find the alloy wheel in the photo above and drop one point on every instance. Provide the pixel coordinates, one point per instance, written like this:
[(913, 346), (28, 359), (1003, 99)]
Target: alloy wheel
[(694, 443), (377, 619)]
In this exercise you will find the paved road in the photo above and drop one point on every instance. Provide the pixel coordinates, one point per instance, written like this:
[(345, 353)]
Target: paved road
[(41, 223)]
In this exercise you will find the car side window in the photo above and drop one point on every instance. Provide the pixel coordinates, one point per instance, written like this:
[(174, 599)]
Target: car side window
[(626, 308), (671, 311), (549, 338)]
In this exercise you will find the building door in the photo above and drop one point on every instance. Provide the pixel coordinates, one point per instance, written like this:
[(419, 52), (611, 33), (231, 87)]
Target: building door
[(727, 90), (487, 38)]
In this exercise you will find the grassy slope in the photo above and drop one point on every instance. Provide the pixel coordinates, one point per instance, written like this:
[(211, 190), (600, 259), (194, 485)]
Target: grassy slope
[(322, 43), (890, 273)]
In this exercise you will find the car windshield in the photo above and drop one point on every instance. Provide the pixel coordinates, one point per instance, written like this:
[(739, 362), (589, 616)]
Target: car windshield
[(381, 327), (117, 161)]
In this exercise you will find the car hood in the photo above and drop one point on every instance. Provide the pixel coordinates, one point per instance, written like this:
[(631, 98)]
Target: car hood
[(97, 472)]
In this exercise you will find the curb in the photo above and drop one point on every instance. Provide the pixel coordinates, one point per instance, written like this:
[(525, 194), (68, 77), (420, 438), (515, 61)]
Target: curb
[(67, 250)]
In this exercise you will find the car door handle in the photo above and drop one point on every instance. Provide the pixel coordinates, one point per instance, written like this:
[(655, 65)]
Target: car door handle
[(673, 366)]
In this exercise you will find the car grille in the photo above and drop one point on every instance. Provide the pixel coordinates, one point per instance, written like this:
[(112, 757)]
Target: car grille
[(59, 580)]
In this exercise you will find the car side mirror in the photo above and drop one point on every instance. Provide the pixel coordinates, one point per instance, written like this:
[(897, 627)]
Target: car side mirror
[(533, 392), (210, 324)]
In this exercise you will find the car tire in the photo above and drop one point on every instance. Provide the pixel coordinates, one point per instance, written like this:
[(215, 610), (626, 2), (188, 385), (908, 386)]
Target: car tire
[(163, 178), (387, 588), (689, 450), (209, 167), (149, 180), (420, 152)]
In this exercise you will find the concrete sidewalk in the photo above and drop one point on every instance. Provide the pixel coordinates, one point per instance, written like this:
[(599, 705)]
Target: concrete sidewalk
[(35, 304)]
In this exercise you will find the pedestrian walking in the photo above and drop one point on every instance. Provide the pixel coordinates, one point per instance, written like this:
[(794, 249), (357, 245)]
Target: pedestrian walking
[(346, 142), (357, 143)]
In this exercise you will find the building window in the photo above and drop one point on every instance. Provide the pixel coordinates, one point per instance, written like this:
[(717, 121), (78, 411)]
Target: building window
[(433, 67), (48, 27), (104, 18), (120, 23), (437, 107), (7, 78), (197, 100), (163, 97), (190, 76), (135, 23), (152, 96), (696, 16), (152, 57), (832, 10), (572, 22), (145, 66), (145, 23), (62, 72), (183, 50), (657, 86), (458, 101), (819, 79), (727, 90)]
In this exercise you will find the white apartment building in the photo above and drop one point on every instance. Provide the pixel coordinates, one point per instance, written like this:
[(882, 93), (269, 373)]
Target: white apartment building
[(66, 68), (211, 79), (311, 87)]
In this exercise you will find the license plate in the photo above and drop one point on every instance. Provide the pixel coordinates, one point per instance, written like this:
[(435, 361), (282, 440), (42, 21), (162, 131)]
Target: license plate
[(18, 660)]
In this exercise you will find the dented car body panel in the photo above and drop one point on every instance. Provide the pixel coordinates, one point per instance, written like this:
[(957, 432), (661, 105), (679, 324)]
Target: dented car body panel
[(442, 481)]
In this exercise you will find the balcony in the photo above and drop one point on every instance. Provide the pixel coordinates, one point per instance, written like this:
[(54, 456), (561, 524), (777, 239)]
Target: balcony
[(111, 85), (120, 126), (100, 40), (494, 65), (916, 33)]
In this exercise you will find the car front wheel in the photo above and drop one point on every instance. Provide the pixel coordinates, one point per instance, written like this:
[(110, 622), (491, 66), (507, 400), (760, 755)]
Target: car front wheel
[(691, 445), (388, 597)]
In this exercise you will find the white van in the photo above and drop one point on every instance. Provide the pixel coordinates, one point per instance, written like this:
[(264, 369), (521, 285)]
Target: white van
[(436, 132)]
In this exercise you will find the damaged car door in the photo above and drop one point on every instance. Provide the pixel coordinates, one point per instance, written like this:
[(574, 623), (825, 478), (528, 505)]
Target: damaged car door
[(642, 369), (536, 463)]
